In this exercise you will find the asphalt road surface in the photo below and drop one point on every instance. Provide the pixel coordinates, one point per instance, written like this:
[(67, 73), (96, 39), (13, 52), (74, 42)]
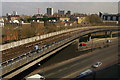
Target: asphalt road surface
[(73, 67)]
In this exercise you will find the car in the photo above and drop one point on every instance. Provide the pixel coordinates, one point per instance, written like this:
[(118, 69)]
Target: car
[(86, 72), (97, 64), (82, 44), (83, 74), (36, 47), (108, 41), (39, 64)]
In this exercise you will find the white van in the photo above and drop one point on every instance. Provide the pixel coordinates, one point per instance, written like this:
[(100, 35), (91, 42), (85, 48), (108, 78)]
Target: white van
[(86, 72), (35, 77)]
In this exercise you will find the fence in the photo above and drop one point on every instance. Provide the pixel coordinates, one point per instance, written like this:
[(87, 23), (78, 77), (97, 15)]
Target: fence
[(32, 39), (36, 38)]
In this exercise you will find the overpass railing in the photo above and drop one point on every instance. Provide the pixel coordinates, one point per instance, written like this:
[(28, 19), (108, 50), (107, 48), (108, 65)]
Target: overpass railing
[(33, 55), (36, 38)]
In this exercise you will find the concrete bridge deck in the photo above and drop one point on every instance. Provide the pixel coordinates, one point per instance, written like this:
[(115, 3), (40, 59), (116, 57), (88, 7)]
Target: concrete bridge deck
[(28, 60)]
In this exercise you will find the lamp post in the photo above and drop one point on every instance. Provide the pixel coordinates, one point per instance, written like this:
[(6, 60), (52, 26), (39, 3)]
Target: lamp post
[(94, 75), (92, 45), (90, 38)]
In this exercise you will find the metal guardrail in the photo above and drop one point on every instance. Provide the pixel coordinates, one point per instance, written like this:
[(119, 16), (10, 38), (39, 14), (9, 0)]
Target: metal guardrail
[(23, 59), (36, 38), (32, 39), (27, 57), (95, 45)]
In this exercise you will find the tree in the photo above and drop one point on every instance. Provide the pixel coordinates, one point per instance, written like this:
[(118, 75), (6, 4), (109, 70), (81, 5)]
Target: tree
[(94, 18)]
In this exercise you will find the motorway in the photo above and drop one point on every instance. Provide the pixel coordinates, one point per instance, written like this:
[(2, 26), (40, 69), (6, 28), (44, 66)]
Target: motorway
[(17, 52), (72, 67), (26, 57)]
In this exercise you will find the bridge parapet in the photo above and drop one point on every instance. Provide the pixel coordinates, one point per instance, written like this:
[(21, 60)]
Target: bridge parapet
[(24, 59), (28, 40)]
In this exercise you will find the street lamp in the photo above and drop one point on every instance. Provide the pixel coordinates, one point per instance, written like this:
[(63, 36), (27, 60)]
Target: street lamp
[(92, 45), (94, 75)]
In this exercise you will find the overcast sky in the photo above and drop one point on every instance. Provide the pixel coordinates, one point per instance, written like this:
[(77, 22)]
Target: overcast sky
[(60, 0), (30, 8)]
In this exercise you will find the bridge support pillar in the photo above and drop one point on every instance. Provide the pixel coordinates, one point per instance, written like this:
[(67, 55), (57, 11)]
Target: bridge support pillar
[(77, 44), (89, 37), (106, 33), (110, 34)]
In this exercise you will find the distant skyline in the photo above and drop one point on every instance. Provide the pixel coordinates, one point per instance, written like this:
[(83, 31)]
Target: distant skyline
[(30, 8)]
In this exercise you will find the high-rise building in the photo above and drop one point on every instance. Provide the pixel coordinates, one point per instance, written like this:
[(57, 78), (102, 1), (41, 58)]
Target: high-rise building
[(8, 14), (15, 13), (49, 11), (100, 14), (61, 12)]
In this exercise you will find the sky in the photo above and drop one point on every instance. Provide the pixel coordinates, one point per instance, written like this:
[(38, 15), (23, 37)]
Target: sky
[(60, 0), (75, 6)]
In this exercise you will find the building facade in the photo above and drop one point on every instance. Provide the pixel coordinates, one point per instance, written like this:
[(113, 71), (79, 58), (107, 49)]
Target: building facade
[(1, 22), (61, 12), (15, 13), (49, 11), (109, 17), (64, 19), (81, 20), (68, 13)]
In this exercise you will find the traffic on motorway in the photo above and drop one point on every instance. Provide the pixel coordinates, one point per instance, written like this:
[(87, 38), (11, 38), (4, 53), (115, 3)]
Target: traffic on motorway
[(45, 46), (36, 49), (88, 71), (82, 74)]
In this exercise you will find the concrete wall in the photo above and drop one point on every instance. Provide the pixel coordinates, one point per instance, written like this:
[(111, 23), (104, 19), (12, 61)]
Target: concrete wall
[(28, 40), (32, 39)]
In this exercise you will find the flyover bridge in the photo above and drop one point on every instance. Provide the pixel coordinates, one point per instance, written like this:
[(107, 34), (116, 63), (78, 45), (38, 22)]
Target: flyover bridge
[(16, 65)]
